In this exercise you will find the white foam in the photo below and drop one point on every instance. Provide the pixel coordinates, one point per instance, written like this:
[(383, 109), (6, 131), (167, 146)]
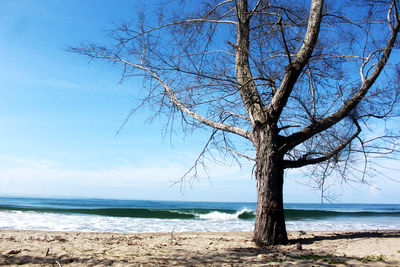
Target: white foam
[(215, 215), (94, 223), (213, 222)]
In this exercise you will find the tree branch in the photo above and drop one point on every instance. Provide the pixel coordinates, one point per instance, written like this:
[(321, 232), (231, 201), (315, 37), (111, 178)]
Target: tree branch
[(177, 23), (294, 69), (216, 125), (238, 153), (247, 86), (323, 124), (303, 161), (236, 115)]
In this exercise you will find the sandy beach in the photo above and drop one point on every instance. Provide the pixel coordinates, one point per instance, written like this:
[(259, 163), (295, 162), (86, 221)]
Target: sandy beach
[(40, 248)]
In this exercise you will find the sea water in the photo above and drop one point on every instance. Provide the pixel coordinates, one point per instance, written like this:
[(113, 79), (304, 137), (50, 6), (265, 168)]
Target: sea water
[(139, 216)]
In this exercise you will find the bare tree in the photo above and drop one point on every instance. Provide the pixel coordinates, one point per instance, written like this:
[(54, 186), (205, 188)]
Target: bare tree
[(301, 84)]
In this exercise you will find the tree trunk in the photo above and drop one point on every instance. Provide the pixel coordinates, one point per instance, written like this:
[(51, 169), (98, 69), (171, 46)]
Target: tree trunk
[(270, 228), (270, 222)]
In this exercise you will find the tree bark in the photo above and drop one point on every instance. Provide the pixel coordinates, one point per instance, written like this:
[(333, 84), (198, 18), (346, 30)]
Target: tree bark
[(270, 228)]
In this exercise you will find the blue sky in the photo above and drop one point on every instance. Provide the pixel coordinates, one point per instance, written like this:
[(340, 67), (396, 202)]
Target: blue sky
[(59, 114)]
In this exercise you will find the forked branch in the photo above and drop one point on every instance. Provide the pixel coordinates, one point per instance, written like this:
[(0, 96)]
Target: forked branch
[(294, 69), (367, 82), (304, 161), (213, 124)]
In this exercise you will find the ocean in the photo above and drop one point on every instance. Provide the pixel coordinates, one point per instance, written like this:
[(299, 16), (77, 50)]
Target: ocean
[(139, 216)]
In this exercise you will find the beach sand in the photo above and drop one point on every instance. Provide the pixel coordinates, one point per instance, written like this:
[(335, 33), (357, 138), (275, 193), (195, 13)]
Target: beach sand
[(355, 248)]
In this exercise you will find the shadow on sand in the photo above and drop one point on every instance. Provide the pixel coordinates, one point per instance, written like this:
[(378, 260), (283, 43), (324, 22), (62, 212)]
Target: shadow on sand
[(346, 235)]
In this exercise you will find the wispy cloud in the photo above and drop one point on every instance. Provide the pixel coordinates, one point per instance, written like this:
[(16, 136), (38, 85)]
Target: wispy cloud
[(45, 176), (13, 162)]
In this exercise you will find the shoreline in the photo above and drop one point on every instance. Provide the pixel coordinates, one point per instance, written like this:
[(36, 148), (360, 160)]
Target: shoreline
[(318, 248)]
